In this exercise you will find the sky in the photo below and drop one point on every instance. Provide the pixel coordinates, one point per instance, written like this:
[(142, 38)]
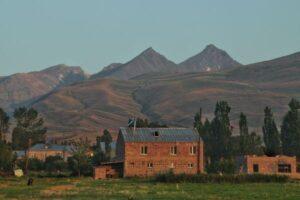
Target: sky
[(35, 34)]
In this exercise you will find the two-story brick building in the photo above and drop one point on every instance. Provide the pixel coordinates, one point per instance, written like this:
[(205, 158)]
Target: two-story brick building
[(148, 151)]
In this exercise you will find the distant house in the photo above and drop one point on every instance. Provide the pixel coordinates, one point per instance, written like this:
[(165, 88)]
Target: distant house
[(283, 165), (19, 154), (148, 151), (42, 151)]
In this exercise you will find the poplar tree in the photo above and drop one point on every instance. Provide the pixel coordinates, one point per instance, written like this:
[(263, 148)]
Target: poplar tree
[(198, 122), (271, 134), (290, 130), (107, 139), (220, 132), (4, 124), (244, 135)]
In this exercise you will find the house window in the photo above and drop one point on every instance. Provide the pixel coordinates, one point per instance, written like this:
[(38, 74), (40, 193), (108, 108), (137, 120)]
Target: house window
[(284, 168), (193, 150), (255, 168), (150, 165), (190, 165), (144, 150), (173, 150)]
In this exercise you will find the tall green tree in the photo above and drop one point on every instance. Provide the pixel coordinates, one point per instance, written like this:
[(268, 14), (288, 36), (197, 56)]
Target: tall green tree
[(255, 144), (6, 157), (271, 134), (80, 163), (220, 132), (290, 130), (4, 124), (244, 135), (198, 122), (107, 139), (29, 130)]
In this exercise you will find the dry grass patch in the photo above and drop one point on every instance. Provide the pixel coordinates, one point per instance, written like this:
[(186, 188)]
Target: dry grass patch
[(58, 190)]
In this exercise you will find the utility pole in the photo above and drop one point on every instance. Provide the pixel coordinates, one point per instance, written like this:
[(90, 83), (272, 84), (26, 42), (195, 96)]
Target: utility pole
[(134, 124), (27, 156)]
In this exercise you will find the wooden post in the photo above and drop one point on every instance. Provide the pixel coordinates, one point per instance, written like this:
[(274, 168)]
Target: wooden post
[(27, 156)]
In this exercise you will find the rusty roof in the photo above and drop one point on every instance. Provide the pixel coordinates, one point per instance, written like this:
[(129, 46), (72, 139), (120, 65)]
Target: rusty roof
[(164, 135)]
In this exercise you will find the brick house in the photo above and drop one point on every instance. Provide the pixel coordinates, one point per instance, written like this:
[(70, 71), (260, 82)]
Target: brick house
[(283, 165), (148, 151), (42, 151)]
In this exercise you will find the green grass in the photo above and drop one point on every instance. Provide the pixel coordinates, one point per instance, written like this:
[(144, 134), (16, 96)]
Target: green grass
[(87, 188)]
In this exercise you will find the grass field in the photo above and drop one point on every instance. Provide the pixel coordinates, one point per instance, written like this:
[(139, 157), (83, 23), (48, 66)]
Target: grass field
[(87, 188)]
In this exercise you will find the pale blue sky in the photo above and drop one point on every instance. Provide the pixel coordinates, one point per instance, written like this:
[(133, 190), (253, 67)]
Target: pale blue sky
[(35, 34)]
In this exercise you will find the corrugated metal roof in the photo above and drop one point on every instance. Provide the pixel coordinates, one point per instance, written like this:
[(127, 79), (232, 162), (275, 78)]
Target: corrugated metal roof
[(164, 135), (55, 147)]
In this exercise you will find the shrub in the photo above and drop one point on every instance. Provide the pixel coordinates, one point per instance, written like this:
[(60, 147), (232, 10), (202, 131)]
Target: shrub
[(223, 166), (170, 177), (55, 164)]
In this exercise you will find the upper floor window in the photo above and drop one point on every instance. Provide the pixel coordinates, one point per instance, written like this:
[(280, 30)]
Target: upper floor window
[(193, 150), (144, 150), (173, 150), (284, 168)]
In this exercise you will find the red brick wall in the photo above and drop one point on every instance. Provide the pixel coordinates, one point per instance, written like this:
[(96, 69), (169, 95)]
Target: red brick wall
[(269, 165), (159, 155), (103, 172)]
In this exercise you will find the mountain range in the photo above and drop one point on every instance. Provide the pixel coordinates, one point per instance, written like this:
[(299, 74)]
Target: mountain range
[(150, 61), (151, 86)]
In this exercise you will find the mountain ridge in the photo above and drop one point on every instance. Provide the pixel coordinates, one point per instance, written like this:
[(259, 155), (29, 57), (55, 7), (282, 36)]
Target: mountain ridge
[(21, 88)]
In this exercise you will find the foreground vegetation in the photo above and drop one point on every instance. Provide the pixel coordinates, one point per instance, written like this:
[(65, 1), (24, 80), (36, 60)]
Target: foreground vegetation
[(87, 188)]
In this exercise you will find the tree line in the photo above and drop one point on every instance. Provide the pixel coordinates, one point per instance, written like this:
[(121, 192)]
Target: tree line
[(29, 129), (221, 146)]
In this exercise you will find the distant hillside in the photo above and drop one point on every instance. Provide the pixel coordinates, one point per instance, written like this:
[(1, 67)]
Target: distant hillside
[(87, 107), (148, 61), (173, 98), (23, 88), (210, 59)]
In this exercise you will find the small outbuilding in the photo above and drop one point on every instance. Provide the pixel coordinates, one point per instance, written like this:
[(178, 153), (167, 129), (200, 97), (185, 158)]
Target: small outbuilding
[(283, 165)]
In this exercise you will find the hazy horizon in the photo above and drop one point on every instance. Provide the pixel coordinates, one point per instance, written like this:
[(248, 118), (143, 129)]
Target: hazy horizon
[(92, 34)]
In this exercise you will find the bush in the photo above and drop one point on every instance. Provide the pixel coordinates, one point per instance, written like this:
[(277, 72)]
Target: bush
[(223, 166), (170, 177), (34, 164), (55, 164), (6, 158)]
